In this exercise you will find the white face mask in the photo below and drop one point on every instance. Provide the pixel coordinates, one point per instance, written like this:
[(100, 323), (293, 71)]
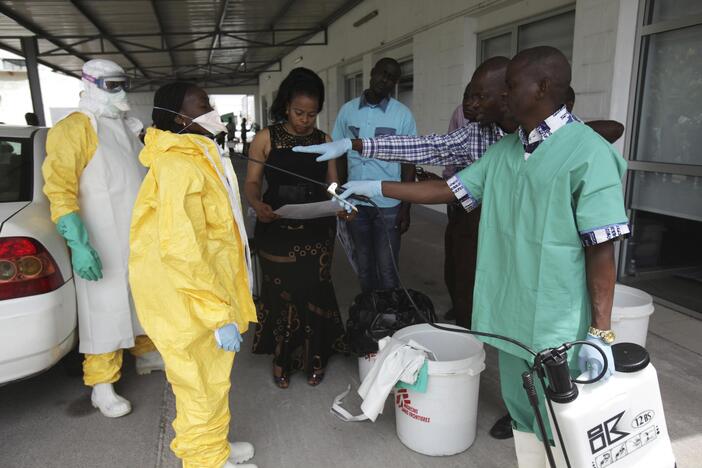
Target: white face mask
[(210, 121), (119, 101)]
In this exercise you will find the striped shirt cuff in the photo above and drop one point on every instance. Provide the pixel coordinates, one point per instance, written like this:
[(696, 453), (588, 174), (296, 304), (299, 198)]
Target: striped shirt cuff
[(463, 195), (369, 147), (605, 233)]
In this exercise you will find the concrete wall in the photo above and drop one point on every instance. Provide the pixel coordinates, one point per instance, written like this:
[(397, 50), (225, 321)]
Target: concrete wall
[(441, 36), (443, 39)]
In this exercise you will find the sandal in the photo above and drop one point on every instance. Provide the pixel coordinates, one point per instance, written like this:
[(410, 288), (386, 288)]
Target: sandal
[(316, 377), (280, 378)]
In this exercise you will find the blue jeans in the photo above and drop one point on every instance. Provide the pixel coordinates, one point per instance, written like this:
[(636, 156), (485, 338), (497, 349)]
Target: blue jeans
[(375, 268)]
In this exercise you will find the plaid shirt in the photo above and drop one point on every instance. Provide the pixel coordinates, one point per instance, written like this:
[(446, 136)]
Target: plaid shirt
[(460, 147)]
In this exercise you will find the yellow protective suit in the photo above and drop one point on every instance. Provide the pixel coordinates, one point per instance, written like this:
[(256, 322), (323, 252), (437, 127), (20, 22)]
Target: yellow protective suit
[(70, 147), (188, 274)]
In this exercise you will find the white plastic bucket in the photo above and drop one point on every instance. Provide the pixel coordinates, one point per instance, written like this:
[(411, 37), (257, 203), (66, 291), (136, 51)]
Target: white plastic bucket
[(364, 365), (630, 314), (443, 420)]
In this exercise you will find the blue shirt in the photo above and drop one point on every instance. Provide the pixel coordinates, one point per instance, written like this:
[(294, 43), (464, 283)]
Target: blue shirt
[(359, 119)]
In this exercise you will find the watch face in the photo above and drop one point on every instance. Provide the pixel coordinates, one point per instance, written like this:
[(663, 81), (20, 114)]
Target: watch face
[(608, 337)]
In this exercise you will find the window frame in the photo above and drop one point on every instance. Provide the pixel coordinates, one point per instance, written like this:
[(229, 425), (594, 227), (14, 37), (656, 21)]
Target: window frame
[(643, 31), (513, 29)]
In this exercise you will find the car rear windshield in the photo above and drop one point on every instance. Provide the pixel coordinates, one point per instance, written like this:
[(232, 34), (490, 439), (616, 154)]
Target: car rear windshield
[(15, 169)]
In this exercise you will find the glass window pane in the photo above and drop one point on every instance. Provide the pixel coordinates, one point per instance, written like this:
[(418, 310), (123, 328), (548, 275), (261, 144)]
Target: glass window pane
[(666, 10), (671, 194), (556, 31), (15, 170), (670, 126), (497, 46), (664, 259)]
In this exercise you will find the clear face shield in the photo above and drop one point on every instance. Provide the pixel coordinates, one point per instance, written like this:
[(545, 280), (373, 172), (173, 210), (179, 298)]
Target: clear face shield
[(110, 84)]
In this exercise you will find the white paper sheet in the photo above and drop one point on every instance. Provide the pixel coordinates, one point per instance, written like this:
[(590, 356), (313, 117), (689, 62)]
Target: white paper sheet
[(309, 210)]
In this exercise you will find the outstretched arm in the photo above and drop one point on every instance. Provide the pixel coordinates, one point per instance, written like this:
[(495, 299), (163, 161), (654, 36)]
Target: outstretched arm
[(462, 147), (430, 192)]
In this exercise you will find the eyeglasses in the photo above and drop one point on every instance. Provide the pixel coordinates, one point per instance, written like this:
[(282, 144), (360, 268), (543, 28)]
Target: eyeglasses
[(110, 84)]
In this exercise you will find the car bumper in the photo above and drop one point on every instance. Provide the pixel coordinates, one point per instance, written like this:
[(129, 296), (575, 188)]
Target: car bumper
[(36, 332)]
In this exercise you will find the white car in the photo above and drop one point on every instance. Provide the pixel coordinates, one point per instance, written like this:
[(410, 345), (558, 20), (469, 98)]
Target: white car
[(38, 318)]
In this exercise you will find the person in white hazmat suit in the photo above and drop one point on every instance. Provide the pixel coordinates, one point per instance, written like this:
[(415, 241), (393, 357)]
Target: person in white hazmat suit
[(92, 175)]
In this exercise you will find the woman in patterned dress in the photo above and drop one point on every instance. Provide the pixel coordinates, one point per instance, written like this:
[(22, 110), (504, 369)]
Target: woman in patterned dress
[(299, 321)]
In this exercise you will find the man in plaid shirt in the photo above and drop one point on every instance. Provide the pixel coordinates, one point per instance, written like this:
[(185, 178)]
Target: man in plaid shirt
[(460, 147)]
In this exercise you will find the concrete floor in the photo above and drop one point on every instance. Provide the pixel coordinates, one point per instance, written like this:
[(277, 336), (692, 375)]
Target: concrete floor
[(47, 421)]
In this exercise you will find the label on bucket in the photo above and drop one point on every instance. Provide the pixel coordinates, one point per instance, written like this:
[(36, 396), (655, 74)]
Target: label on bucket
[(403, 401)]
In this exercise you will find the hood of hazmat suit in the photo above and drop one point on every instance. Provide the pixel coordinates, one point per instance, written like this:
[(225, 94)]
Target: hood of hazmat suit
[(98, 77), (188, 273)]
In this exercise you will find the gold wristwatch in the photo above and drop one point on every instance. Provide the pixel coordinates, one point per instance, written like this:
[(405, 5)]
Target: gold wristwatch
[(607, 336)]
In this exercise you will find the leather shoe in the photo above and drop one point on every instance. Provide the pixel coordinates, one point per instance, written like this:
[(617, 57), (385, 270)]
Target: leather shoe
[(502, 429)]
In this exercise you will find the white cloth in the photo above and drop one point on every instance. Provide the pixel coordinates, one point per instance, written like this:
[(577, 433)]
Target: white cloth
[(108, 189), (396, 361)]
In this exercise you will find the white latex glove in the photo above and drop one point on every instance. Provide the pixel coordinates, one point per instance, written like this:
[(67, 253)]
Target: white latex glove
[(333, 150), (590, 360)]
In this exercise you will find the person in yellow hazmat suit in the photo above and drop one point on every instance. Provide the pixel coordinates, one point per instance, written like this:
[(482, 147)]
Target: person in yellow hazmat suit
[(190, 273), (92, 176)]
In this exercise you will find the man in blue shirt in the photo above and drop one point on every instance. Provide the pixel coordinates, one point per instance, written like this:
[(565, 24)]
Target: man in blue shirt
[(375, 114)]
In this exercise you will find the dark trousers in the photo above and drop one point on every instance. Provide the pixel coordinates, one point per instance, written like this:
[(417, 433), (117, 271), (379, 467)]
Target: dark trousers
[(370, 239), (460, 257)]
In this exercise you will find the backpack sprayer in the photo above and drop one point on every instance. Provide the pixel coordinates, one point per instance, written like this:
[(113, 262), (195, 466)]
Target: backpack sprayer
[(620, 424)]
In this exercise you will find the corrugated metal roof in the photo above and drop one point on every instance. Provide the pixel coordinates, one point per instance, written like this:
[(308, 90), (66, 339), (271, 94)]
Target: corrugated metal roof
[(219, 42)]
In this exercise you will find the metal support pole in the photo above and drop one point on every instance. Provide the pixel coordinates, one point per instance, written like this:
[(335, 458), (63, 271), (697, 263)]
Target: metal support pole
[(31, 51)]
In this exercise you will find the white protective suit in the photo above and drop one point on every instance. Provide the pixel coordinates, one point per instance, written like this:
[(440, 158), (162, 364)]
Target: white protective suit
[(108, 188)]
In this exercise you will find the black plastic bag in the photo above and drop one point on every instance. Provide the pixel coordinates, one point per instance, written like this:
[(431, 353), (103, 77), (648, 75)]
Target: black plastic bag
[(381, 313)]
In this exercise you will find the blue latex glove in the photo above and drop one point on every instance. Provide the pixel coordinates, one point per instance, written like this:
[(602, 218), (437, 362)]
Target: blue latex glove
[(367, 188), (333, 150), (85, 260), (590, 360), (228, 337)]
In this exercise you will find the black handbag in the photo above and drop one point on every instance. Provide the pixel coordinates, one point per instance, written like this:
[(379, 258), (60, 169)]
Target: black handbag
[(381, 313)]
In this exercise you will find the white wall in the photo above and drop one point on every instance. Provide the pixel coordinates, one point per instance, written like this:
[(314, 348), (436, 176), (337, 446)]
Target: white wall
[(443, 39), (442, 42)]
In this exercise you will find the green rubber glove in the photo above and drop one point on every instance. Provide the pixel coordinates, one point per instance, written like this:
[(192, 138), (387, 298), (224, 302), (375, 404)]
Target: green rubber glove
[(86, 261)]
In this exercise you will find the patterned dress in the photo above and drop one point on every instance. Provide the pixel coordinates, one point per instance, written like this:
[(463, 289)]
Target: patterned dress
[(298, 316)]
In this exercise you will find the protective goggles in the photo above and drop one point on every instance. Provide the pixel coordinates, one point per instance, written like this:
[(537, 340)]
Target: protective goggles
[(110, 84)]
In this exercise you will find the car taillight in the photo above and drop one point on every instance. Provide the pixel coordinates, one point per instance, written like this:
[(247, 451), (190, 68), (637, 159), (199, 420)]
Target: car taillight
[(26, 268)]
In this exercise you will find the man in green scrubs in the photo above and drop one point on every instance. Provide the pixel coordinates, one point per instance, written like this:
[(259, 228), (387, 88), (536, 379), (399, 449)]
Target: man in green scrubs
[(552, 205)]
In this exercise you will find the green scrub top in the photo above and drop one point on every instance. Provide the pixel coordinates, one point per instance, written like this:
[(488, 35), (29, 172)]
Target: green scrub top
[(530, 280)]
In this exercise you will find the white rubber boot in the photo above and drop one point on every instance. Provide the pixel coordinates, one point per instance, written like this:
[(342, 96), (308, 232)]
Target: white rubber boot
[(241, 452), (149, 362), (229, 464), (108, 402), (530, 451)]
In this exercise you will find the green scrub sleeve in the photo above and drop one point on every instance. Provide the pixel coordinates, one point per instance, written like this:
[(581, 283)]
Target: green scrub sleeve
[(598, 197), (468, 184)]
